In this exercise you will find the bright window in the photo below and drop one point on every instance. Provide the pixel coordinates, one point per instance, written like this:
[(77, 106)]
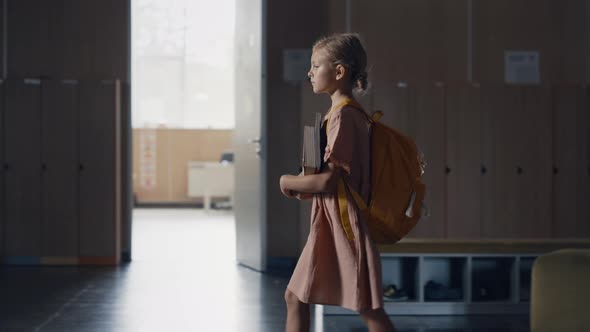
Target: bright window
[(182, 63)]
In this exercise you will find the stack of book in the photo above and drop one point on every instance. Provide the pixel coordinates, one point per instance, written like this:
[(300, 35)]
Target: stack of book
[(312, 155)]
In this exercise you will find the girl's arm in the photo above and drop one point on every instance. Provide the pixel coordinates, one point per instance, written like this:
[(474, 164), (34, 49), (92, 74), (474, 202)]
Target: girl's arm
[(325, 181)]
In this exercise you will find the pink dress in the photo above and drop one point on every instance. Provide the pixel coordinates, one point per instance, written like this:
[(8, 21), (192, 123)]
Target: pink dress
[(333, 269)]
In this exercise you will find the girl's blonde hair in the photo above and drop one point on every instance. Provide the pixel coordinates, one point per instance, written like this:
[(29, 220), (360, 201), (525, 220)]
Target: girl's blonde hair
[(347, 50)]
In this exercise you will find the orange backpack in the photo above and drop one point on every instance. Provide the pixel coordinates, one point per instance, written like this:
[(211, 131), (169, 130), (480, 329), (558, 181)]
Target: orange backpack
[(397, 192)]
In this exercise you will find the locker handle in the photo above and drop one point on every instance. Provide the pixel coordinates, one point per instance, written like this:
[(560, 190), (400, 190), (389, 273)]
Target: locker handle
[(447, 170), (519, 170), (484, 170)]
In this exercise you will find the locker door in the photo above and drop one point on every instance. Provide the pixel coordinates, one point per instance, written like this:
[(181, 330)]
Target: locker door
[(430, 137), (60, 175), (534, 157), (500, 138), (463, 161), (571, 182), (2, 205), (99, 172), (23, 168)]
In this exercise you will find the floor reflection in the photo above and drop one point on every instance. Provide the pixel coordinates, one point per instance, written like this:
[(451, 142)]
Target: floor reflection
[(183, 278)]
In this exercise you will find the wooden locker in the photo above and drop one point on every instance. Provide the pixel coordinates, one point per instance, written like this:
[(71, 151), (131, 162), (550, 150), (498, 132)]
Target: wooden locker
[(100, 194), (2, 205), (28, 34), (430, 138), (571, 181), (500, 136), (534, 156), (463, 161), (60, 168), (22, 172)]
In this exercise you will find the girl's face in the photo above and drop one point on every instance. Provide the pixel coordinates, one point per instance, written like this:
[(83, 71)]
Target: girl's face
[(322, 74)]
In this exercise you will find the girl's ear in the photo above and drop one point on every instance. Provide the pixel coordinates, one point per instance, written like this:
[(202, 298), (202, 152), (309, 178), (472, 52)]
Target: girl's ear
[(340, 72)]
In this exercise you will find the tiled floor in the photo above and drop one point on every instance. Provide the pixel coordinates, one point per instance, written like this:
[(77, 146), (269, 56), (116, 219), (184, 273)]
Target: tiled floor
[(183, 278)]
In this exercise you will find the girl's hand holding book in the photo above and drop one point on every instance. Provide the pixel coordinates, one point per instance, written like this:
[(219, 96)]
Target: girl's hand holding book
[(287, 192), (291, 193)]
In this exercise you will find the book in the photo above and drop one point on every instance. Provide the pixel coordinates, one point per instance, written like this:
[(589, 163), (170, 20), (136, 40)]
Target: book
[(311, 159)]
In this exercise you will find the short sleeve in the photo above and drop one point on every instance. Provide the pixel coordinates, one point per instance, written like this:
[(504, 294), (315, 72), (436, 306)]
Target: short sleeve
[(340, 133)]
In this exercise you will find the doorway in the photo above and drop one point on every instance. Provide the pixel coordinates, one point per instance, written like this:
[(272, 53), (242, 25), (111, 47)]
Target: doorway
[(197, 114), (182, 123)]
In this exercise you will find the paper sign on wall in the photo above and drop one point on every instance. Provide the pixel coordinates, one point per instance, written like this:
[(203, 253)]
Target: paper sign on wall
[(521, 67), (147, 158), (296, 64)]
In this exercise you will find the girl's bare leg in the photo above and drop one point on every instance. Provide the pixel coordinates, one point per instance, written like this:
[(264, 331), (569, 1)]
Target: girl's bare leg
[(297, 314), (377, 320)]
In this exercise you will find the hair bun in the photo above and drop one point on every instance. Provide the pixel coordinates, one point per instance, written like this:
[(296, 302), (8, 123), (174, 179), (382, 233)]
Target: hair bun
[(361, 80)]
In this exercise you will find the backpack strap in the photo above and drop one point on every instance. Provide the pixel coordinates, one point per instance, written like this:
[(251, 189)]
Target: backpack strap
[(342, 200)]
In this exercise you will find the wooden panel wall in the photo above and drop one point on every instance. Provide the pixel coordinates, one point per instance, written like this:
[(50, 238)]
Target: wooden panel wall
[(60, 176), (72, 54), (28, 40), (171, 168), (68, 39), (413, 40), (557, 29)]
